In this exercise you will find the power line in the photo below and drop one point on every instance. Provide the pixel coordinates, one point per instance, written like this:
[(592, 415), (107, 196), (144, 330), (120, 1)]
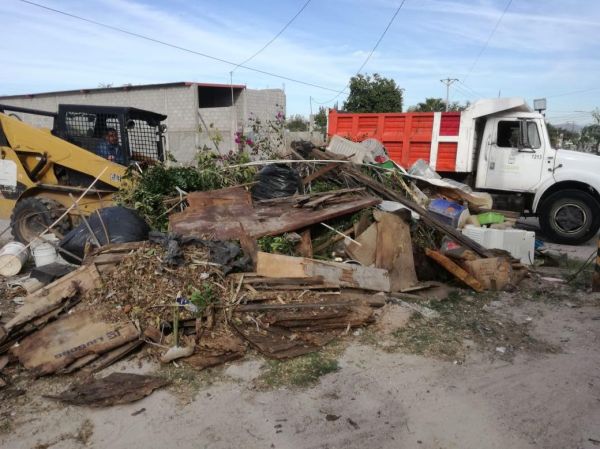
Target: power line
[(470, 89), (488, 39), (574, 92), (370, 53), (276, 36), (463, 92), (177, 47)]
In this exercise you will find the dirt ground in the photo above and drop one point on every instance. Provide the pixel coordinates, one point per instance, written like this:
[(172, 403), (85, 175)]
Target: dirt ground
[(500, 370), (540, 391)]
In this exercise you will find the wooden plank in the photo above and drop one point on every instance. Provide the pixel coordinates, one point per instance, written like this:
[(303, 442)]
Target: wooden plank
[(116, 388), (493, 273), (394, 251), (320, 172), (316, 202), (293, 306), (363, 223), (107, 258), (456, 270), (333, 273), (71, 337), (294, 199), (112, 356), (280, 266), (118, 248), (51, 296), (304, 247), (228, 221), (280, 281), (366, 251), (299, 287), (221, 197), (250, 247)]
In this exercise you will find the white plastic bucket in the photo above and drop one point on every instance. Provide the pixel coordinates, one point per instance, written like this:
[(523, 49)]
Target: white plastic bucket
[(13, 256), (44, 254)]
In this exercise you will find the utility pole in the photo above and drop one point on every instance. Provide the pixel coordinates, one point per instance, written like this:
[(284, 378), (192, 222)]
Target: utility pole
[(448, 82)]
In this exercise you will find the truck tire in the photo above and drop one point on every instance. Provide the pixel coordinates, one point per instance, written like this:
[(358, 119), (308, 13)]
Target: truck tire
[(571, 217), (32, 215)]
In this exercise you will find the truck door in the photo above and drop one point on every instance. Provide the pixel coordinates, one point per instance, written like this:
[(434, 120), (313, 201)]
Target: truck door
[(515, 156)]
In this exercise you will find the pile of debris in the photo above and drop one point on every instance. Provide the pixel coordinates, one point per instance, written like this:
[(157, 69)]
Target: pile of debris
[(206, 292)]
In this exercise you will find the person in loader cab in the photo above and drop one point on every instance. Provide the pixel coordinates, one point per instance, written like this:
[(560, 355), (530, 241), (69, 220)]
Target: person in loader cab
[(109, 148)]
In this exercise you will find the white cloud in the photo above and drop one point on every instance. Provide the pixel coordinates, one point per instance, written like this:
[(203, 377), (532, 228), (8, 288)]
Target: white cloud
[(532, 53)]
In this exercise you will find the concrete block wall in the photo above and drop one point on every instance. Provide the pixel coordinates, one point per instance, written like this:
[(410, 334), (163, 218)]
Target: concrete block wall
[(315, 137), (185, 134), (264, 103), (223, 121)]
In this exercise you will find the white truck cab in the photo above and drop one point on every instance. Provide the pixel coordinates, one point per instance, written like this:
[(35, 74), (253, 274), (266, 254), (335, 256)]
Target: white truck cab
[(514, 156)]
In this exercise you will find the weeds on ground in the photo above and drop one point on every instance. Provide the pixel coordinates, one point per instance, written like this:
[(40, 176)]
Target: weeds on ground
[(203, 297), (185, 381), (297, 372), (6, 425), (459, 321)]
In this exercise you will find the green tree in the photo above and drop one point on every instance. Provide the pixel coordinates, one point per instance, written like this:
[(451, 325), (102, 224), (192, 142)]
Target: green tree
[(590, 137), (296, 123), (558, 135), (432, 104), (320, 119), (373, 94), (590, 134)]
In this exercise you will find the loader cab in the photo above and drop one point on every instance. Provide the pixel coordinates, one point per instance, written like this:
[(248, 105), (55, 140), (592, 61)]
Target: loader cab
[(140, 133)]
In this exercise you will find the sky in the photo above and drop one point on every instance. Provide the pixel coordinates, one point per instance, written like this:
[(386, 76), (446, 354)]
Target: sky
[(539, 49)]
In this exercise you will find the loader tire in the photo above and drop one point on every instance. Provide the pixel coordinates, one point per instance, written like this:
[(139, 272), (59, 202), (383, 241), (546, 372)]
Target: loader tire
[(570, 217), (31, 216)]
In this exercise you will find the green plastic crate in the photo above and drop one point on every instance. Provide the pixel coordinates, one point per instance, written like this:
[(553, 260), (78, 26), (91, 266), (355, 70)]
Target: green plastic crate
[(490, 218)]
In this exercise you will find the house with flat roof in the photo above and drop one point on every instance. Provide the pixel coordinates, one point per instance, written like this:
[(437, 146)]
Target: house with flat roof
[(198, 114)]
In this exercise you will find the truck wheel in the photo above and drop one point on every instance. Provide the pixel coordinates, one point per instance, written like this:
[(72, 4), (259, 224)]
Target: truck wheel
[(32, 215), (571, 217)]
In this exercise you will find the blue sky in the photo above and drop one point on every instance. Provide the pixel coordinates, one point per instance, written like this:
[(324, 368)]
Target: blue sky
[(541, 48)]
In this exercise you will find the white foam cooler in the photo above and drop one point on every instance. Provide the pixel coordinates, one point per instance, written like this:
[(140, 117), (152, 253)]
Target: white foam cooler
[(518, 242)]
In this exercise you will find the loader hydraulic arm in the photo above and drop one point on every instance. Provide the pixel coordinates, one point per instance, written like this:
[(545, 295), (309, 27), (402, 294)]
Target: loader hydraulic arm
[(29, 142)]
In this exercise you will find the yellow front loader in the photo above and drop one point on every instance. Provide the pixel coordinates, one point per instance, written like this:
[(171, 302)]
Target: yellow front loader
[(41, 171)]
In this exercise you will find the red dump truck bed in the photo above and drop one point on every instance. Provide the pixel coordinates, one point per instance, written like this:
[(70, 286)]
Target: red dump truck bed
[(432, 136)]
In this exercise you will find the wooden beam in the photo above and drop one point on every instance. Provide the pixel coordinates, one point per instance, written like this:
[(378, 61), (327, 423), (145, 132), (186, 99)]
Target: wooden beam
[(456, 270), (333, 273)]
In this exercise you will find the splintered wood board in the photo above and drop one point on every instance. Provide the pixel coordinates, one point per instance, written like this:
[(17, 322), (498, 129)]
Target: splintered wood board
[(333, 273), (230, 220), (455, 269), (51, 296), (493, 273), (394, 251), (365, 252), (71, 337)]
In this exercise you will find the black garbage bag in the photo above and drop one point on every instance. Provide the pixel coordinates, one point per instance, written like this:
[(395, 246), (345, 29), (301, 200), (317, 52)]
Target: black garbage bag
[(227, 254), (304, 147), (122, 225), (276, 181)]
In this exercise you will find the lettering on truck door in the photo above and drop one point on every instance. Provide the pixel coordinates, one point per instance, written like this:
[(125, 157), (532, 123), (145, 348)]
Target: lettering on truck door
[(516, 155)]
